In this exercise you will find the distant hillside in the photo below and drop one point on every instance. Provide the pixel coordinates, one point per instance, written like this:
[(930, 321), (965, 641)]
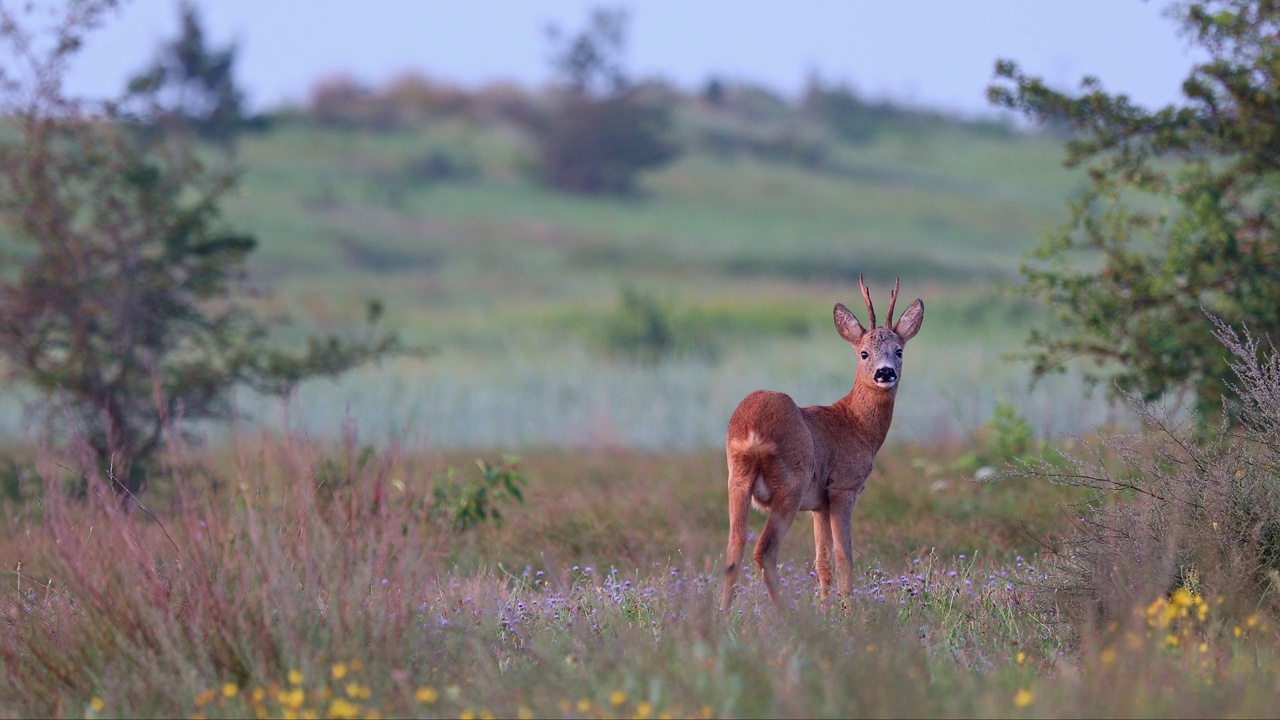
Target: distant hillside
[(762, 186), (640, 319)]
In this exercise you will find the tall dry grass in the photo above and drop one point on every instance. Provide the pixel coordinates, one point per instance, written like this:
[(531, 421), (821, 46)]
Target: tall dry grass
[(1181, 505), (241, 584)]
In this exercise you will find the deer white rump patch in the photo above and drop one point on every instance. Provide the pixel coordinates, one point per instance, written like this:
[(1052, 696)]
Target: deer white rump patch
[(754, 449)]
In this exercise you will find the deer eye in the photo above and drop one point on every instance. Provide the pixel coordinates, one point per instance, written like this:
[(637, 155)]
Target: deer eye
[(864, 355), (899, 352)]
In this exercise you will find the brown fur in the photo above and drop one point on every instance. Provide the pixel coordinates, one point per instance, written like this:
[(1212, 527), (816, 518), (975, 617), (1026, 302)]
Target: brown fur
[(783, 458)]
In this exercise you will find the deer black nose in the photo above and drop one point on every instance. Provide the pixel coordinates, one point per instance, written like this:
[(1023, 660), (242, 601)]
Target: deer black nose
[(885, 375)]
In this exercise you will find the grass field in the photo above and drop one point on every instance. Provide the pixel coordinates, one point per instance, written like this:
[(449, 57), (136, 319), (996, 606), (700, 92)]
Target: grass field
[(516, 291), (287, 578), (339, 556)]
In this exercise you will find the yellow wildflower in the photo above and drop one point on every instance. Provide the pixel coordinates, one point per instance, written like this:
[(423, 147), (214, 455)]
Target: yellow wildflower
[(1171, 640), (341, 708), (229, 690), (426, 695), (295, 677), (96, 704), (205, 697), (467, 714), (1161, 613), (584, 705), (1181, 597), (339, 671), (1021, 658), (358, 691), (643, 709), (1237, 631), (1107, 656), (1023, 698), (293, 699), (618, 698), (524, 713)]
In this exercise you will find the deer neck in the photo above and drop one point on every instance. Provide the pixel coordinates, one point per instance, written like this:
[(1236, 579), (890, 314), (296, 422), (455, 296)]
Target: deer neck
[(868, 409)]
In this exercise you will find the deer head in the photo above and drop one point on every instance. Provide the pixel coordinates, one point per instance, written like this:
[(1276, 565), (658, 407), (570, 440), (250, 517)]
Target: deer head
[(879, 348)]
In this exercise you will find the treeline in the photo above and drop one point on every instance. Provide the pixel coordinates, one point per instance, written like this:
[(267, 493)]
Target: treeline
[(725, 117), (412, 98), (597, 129)]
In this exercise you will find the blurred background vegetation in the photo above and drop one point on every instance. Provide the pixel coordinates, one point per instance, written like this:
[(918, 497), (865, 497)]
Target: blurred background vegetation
[(616, 261)]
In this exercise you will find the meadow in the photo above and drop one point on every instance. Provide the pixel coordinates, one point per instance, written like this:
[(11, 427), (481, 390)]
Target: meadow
[(345, 555), (290, 579)]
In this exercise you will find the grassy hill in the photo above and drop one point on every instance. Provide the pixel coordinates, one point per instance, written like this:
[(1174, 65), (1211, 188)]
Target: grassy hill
[(531, 300)]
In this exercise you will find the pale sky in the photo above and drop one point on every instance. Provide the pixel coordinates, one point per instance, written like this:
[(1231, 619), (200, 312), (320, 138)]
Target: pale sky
[(931, 53)]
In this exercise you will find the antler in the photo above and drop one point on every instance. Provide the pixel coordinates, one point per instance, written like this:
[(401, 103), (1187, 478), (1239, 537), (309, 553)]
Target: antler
[(893, 298), (866, 297)]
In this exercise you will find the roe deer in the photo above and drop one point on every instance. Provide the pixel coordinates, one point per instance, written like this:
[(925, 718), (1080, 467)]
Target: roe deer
[(784, 458)]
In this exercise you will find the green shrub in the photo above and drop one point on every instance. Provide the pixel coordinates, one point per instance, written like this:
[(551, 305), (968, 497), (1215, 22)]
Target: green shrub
[(642, 329), (1005, 438), (466, 502), (603, 130), (849, 116), (13, 476)]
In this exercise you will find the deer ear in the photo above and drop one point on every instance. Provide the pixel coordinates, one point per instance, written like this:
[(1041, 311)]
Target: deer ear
[(847, 325), (909, 324)]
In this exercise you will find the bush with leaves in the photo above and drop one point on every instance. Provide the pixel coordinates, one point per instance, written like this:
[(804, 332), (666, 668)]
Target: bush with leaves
[(602, 130), (849, 116), (645, 330), (464, 502), (1172, 508), (119, 287), (1006, 437), (1182, 212)]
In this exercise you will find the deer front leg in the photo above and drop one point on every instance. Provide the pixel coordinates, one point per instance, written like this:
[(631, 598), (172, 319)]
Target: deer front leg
[(822, 551), (842, 533)]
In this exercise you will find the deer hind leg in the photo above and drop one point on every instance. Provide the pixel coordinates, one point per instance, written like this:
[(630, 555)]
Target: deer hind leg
[(775, 529), (739, 506), (822, 548)]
